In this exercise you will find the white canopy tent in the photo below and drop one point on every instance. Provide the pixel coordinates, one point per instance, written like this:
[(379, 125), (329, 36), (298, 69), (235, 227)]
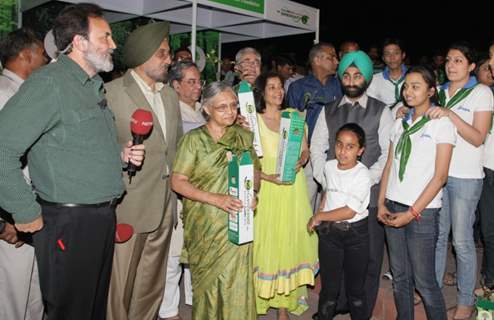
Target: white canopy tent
[(236, 20)]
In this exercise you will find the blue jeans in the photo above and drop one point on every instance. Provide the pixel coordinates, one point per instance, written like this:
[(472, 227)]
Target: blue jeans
[(412, 250), (460, 198)]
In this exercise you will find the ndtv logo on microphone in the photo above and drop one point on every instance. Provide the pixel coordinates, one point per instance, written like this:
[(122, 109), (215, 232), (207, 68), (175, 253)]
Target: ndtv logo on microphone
[(142, 123)]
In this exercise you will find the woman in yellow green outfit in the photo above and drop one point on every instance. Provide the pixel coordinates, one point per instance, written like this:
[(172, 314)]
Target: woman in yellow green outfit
[(221, 271), (285, 254)]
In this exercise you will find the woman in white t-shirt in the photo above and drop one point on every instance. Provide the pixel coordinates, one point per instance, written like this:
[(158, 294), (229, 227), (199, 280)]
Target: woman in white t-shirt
[(410, 196), (486, 202), (468, 104), (342, 225)]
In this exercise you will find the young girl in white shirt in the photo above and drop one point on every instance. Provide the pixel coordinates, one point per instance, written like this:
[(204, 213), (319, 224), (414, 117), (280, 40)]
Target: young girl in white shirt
[(410, 196), (342, 225)]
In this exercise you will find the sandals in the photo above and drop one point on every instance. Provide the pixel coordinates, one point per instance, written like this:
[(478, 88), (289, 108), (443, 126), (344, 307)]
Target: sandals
[(464, 312)]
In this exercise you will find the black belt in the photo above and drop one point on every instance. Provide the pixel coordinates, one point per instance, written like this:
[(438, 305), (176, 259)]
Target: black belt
[(326, 226), (111, 203)]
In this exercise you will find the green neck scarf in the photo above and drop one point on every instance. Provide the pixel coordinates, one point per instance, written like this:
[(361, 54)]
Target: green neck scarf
[(397, 88), (404, 145), (459, 96)]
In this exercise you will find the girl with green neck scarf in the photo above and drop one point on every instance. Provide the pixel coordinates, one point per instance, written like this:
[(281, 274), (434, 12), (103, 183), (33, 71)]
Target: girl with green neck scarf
[(468, 104), (410, 196)]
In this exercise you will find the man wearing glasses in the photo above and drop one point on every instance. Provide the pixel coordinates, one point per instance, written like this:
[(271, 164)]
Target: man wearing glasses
[(312, 92), (320, 87), (149, 206), (248, 65), (185, 79)]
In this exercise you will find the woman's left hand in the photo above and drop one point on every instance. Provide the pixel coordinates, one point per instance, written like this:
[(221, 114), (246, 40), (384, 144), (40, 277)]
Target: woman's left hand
[(304, 157), (437, 112), (400, 219), (313, 223)]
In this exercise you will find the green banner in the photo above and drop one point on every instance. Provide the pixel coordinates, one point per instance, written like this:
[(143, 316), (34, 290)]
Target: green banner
[(256, 6)]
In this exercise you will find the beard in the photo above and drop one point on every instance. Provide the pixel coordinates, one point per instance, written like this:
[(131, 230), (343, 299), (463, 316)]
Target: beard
[(354, 91), (99, 62), (158, 74)]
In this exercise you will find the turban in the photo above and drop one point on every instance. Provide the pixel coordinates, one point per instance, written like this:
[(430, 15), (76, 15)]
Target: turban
[(360, 60), (143, 42)]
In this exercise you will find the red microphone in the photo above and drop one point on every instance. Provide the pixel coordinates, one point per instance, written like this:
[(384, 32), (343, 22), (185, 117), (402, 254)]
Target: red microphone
[(141, 124)]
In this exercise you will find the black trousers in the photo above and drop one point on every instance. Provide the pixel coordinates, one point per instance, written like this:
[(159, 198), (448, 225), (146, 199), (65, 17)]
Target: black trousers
[(376, 254), (486, 209), (343, 252), (74, 251)]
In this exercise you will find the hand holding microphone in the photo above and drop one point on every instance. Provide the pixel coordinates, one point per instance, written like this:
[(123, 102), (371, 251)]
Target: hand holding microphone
[(141, 124)]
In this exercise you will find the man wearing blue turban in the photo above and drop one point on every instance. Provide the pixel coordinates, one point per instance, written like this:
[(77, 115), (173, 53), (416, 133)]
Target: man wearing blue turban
[(355, 72)]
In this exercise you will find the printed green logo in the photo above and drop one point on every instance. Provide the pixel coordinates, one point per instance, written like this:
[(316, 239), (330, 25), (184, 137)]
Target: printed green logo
[(248, 184), (250, 108)]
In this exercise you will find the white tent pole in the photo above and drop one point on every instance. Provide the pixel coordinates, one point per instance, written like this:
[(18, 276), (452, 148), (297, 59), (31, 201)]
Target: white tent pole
[(19, 14), (316, 40), (218, 74), (194, 30)]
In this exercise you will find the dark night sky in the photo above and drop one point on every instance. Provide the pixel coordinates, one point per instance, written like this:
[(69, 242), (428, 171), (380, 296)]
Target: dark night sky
[(423, 28)]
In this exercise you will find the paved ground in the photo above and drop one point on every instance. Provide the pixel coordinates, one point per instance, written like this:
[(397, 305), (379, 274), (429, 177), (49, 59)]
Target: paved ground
[(384, 309)]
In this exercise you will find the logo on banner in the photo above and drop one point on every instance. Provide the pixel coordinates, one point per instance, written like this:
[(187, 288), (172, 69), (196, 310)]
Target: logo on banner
[(296, 17)]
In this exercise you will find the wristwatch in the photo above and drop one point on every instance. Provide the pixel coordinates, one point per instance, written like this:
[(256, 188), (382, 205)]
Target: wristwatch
[(2, 226)]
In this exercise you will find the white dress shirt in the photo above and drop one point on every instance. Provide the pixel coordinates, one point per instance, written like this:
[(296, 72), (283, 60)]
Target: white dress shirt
[(9, 84)]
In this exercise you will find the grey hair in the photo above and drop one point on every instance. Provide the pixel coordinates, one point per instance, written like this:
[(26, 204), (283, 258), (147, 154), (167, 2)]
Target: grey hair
[(176, 72), (316, 49), (212, 90), (240, 54)]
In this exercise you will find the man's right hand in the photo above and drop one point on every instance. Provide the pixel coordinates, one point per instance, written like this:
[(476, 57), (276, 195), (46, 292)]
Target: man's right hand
[(30, 227), (9, 235)]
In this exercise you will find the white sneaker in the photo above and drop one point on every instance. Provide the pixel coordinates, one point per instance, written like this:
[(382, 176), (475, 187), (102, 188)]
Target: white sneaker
[(387, 275)]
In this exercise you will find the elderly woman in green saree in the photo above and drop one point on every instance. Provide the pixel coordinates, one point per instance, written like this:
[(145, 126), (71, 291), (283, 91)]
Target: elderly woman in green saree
[(222, 272)]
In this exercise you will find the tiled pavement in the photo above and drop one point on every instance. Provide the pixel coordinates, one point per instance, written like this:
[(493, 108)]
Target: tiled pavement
[(384, 309)]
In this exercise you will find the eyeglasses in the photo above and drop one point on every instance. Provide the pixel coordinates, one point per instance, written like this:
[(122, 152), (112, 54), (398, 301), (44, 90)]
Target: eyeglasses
[(330, 57), (250, 63), (193, 82), (223, 108)]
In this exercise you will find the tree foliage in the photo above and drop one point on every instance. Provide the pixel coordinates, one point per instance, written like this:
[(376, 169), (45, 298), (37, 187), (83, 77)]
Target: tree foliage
[(8, 16)]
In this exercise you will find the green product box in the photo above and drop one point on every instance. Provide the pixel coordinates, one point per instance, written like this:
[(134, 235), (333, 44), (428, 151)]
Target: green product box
[(485, 309), (241, 186), (291, 136), (248, 110)]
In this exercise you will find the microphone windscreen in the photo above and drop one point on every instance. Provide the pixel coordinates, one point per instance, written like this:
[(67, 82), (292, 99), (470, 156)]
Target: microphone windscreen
[(123, 232), (141, 122)]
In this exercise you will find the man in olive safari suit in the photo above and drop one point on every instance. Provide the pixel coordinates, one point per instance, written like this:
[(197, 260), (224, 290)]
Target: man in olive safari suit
[(149, 205)]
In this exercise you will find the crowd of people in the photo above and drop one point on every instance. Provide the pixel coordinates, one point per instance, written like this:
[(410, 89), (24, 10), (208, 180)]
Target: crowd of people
[(391, 153)]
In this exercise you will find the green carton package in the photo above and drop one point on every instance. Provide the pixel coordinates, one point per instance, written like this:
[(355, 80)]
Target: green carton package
[(291, 136), (248, 110), (241, 186), (485, 309)]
